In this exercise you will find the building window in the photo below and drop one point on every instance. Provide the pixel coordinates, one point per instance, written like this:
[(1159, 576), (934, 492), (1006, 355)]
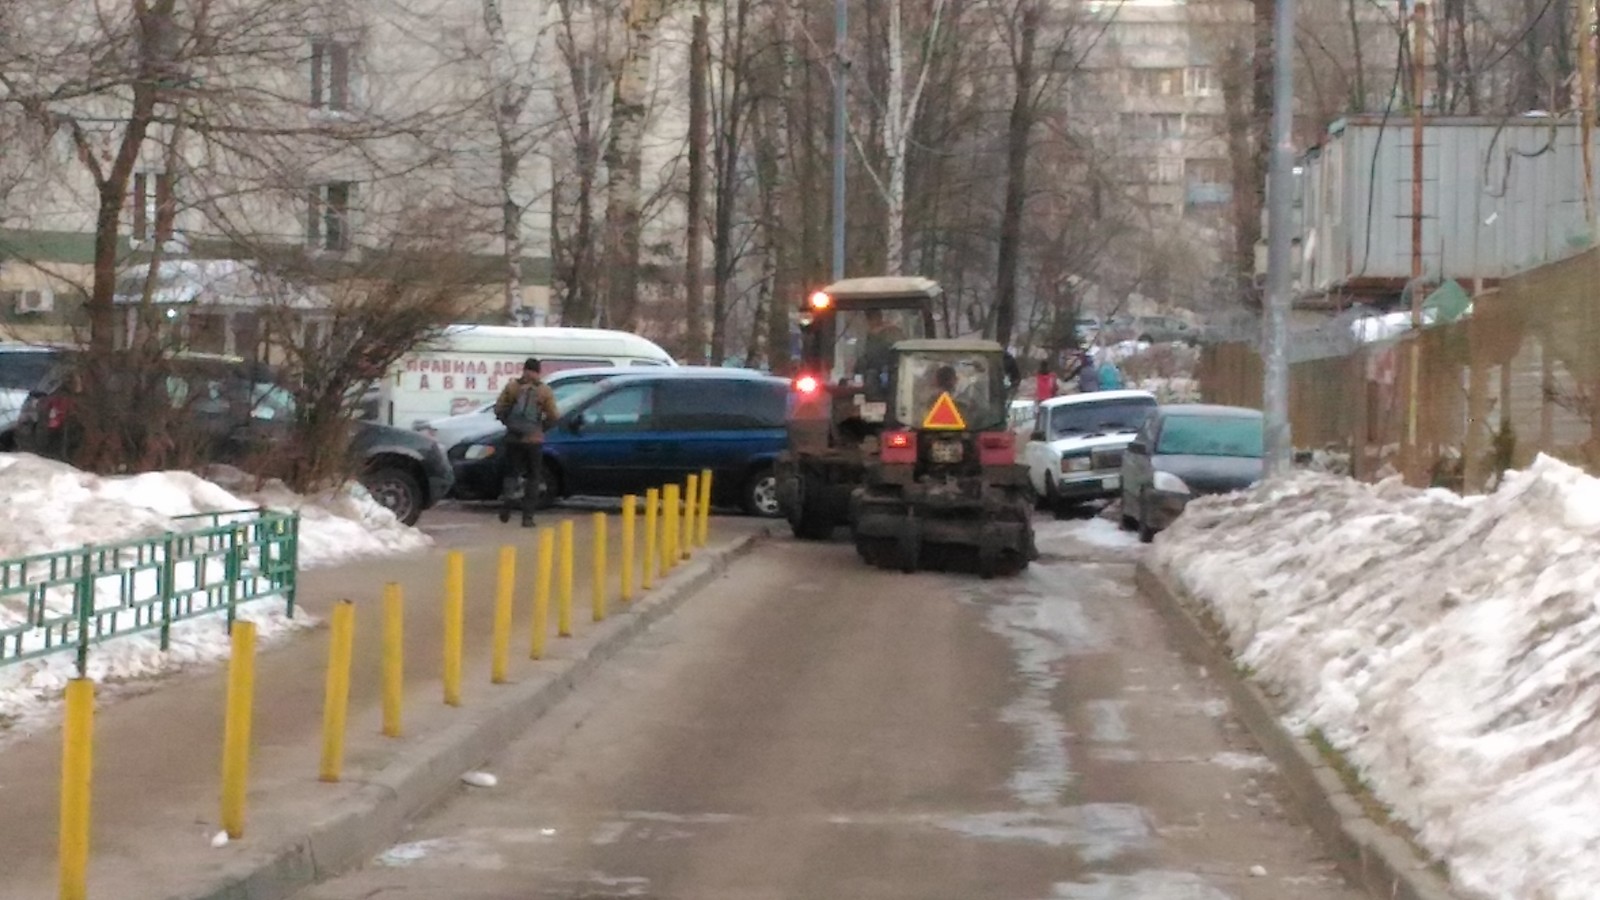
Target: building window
[(1156, 82), (330, 75), (1208, 171), (1203, 126), (328, 216), (1200, 82), (1159, 126), (153, 208)]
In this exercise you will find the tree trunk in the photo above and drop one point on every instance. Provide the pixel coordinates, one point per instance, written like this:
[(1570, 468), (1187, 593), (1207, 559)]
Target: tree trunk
[(730, 140), (774, 153), (1358, 92), (624, 167), (579, 305), (1246, 199), (1019, 131), (900, 112), (694, 277), (510, 97)]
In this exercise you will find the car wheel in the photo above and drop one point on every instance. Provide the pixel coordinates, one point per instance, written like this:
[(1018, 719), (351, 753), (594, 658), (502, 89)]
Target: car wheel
[(396, 490), (761, 495), (1146, 533)]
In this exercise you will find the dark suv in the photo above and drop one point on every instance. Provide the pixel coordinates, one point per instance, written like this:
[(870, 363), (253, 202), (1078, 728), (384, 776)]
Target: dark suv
[(633, 432), (233, 410), (22, 367)]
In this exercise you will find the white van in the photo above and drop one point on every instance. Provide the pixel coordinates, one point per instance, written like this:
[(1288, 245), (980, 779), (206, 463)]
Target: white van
[(467, 365)]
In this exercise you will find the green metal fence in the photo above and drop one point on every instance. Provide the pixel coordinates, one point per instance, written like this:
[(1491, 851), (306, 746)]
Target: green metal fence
[(207, 563)]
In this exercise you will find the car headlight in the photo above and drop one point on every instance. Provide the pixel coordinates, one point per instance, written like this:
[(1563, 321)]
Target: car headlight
[(1169, 483), (480, 451), (1075, 464)]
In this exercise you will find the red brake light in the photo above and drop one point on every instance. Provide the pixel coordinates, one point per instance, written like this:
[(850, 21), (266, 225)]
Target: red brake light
[(997, 448), (806, 384), (820, 300), (899, 447)]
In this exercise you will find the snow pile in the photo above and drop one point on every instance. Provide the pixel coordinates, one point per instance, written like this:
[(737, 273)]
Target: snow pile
[(48, 506), (1449, 647)]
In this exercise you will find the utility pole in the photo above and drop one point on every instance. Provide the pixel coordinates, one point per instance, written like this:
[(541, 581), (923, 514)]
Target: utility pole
[(841, 21), (1280, 281), (1411, 453)]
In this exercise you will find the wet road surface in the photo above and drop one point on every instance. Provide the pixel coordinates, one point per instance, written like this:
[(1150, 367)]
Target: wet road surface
[(811, 728)]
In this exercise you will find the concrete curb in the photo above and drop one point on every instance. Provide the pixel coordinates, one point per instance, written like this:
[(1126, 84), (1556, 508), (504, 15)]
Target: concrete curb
[(1368, 853), (429, 771)]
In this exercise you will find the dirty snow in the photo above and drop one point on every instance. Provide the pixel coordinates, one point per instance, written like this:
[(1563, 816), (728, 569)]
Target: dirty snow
[(47, 506), (1449, 647)]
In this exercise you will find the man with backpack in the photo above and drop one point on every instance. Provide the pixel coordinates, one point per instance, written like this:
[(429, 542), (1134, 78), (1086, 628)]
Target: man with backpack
[(526, 407)]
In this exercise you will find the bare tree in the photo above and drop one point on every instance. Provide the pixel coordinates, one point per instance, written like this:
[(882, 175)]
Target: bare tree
[(511, 84), (694, 290), (623, 160)]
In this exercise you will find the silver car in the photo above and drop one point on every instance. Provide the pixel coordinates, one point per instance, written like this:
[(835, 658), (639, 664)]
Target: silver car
[(1183, 452)]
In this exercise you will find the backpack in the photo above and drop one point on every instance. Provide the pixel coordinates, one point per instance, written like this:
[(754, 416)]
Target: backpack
[(525, 417)]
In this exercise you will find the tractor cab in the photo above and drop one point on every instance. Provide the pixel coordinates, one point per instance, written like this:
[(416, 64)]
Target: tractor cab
[(944, 483), (950, 407)]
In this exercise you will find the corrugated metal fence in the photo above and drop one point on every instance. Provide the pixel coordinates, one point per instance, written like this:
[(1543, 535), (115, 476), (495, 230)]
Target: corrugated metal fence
[(1519, 376)]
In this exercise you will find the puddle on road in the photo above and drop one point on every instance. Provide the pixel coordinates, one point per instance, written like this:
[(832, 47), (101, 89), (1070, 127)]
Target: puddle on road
[(1147, 885), (1098, 832)]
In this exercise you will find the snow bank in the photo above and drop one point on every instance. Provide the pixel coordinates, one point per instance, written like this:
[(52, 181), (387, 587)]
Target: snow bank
[(48, 506), (1448, 646)]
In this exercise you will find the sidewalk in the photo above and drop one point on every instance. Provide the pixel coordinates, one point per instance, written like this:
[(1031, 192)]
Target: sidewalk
[(157, 756)]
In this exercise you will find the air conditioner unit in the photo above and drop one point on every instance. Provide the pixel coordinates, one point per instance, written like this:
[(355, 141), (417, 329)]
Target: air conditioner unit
[(35, 302)]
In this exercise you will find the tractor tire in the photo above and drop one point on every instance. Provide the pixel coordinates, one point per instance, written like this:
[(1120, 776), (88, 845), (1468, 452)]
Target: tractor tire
[(805, 521), (908, 547)]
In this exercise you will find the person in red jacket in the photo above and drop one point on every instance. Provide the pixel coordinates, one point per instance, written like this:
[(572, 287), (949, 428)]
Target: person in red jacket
[(1044, 383)]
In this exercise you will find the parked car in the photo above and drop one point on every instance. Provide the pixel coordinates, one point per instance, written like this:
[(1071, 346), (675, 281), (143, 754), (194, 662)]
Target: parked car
[(1164, 330), (566, 384), (237, 410), (22, 367), (1074, 454), (1184, 452), (639, 431)]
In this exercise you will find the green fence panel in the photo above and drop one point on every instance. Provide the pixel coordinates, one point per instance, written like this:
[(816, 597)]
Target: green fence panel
[(210, 563)]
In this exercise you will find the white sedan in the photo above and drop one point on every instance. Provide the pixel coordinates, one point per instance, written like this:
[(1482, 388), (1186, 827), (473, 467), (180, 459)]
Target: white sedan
[(1074, 454)]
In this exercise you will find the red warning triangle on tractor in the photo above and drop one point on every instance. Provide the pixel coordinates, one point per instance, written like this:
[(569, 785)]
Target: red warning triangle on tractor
[(944, 415)]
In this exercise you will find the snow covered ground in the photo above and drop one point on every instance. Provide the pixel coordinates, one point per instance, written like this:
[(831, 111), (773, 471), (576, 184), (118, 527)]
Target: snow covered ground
[(1449, 647), (48, 506)]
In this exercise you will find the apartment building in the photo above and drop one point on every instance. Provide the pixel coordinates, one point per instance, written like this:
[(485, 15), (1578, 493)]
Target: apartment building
[(1153, 88), (334, 130)]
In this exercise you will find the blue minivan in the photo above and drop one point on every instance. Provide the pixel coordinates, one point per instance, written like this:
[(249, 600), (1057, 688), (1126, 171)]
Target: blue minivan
[(630, 433)]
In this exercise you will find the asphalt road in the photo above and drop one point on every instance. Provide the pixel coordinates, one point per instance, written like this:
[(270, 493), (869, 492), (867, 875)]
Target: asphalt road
[(810, 728)]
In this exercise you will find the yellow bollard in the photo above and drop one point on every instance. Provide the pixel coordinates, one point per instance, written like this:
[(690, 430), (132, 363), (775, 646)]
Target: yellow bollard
[(652, 512), (77, 776), (628, 516), (599, 556), (236, 727), (455, 601), (394, 672), (541, 592), (691, 506), (502, 615), (336, 690), (704, 518), (670, 507), (564, 601)]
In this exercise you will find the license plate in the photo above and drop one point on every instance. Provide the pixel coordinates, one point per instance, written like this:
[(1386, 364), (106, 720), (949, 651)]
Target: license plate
[(1111, 483), (946, 452), (874, 412)]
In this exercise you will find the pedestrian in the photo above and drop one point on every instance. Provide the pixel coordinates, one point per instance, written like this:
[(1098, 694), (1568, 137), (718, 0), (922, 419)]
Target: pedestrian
[(527, 407), (1088, 375), (1044, 383), (1110, 376)]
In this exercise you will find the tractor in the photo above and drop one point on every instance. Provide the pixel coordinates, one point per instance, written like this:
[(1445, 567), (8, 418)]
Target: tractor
[(839, 398), (945, 483)]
